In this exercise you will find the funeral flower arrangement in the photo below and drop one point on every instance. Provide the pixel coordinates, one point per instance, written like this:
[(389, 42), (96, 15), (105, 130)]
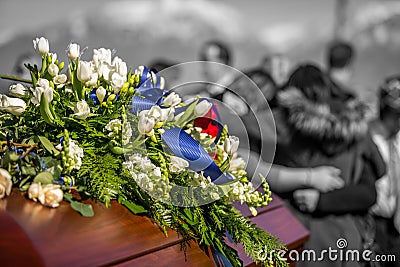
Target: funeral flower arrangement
[(96, 129)]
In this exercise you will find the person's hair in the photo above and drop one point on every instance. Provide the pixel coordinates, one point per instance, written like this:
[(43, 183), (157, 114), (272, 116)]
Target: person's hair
[(266, 79), (215, 49), (340, 54), (311, 81), (389, 97)]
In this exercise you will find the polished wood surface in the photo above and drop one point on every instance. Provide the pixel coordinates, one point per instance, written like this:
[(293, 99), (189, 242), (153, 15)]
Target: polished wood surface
[(35, 235)]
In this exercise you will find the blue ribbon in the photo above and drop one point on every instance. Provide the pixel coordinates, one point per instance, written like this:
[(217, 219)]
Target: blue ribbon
[(180, 143)]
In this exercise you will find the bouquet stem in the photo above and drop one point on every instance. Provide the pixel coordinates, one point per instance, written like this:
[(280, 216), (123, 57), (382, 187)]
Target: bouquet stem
[(15, 78)]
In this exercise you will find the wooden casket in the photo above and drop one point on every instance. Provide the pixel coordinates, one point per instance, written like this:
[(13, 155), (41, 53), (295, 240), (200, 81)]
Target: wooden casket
[(33, 235)]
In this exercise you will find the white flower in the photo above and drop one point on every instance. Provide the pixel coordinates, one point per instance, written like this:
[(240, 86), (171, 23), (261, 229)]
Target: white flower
[(41, 46), (236, 164), (155, 112), (93, 79), (114, 126), (34, 191), (53, 69), (101, 93), (177, 164), (117, 81), (5, 183), (73, 51), (81, 110), (76, 154), (253, 211), (53, 57), (51, 195), (37, 95), (126, 133), (44, 83), (60, 79), (167, 114), (84, 71), (146, 123), (202, 108), (18, 90), (231, 144), (120, 66), (172, 100), (157, 172), (12, 105), (102, 62)]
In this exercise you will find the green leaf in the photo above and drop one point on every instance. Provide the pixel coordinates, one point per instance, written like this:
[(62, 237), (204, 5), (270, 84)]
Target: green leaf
[(136, 209), (188, 115), (28, 170), (85, 210), (44, 178), (48, 145)]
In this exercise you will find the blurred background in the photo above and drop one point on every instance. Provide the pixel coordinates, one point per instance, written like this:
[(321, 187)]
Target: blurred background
[(141, 31)]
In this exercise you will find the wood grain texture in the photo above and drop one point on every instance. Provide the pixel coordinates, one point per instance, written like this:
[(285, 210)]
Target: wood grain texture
[(113, 237)]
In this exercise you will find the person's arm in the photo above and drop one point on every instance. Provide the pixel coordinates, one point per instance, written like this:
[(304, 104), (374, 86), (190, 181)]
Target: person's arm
[(351, 198)]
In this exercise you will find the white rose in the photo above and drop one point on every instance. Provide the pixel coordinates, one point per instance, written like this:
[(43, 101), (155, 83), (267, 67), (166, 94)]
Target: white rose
[(34, 191), (84, 71), (18, 90), (82, 110), (41, 46), (60, 79), (120, 66), (172, 100), (51, 195), (37, 94), (53, 69), (101, 93), (202, 108), (117, 81), (231, 144), (73, 51), (146, 123), (177, 164), (15, 106), (5, 183)]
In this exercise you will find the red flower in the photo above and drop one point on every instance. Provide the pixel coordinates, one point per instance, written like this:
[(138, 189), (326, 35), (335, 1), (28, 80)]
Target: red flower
[(208, 124)]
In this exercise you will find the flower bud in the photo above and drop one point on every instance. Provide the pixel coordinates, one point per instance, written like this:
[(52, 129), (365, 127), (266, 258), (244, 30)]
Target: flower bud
[(15, 106), (84, 71), (48, 93), (202, 108), (146, 123), (5, 183), (53, 69), (73, 51), (18, 90), (41, 46), (101, 93)]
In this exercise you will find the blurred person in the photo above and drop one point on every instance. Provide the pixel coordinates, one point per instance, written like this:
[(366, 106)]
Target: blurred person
[(340, 63), (385, 133), (278, 65), (317, 127)]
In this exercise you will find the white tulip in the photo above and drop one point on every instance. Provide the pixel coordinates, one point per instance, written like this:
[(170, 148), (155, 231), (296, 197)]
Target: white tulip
[(44, 83), (101, 93), (84, 71), (146, 123), (231, 144), (167, 114), (18, 90), (53, 69), (82, 110), (120, 66), (51, 195), (37, 94), (73, 51), (155, 112), (60, 79), (15, 106), (117, 81), (202, 108), (101, 56), (172, 100), (5, 183), (177, 164), (41, 46), (48, 93)]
